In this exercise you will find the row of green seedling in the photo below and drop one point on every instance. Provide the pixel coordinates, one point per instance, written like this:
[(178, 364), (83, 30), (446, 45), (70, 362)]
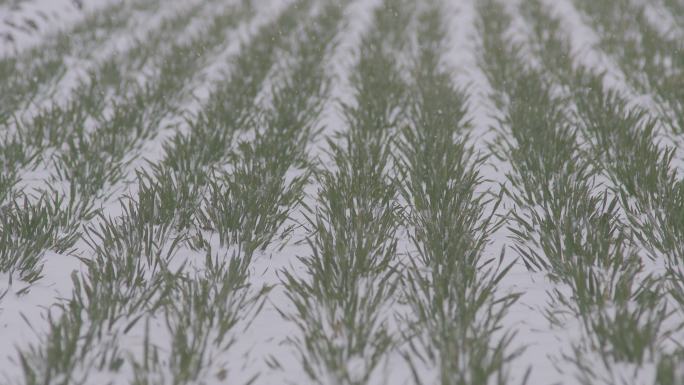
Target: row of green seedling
[(135, 251), (623, 146), (651, 62), (86, 161), (565, 223), (342, 307), (29, 73), (451, 284)]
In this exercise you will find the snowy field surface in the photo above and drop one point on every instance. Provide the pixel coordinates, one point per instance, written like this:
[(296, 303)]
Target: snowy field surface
[(342, 192)]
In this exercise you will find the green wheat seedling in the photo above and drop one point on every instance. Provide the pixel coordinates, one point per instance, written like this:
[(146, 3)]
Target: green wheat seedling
[(650, 61), (25, 76), (449, 284), (353, 230), (65, 349), (204, 312), (126, 280), (571, 231), (166, 197), (7, 181), (257, 199), (248, 206), (27, 230), (133, 252), (12, 159), (83, 163), (669, 370)]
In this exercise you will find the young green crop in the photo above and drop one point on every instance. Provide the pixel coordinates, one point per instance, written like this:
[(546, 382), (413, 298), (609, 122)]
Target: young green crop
[(84, 162), (339, 307), (566, 224), (450, 284), (129, 276), (652, 62), (24, 76)]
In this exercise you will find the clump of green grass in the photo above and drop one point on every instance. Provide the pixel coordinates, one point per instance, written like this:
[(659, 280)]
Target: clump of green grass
[(31, 229), (669, 370), (203, 313)]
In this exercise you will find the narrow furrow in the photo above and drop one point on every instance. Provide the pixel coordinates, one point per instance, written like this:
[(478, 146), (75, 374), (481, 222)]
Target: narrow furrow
[(343, 303), (451, 284), (23, 77), (568, 226)]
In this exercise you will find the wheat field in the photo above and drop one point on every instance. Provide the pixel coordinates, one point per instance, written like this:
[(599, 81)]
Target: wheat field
[(341, 192)]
